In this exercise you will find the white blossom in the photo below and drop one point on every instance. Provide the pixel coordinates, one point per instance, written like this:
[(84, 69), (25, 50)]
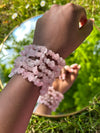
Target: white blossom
[(14, 15), (54, 1), (27, 6), (42, 3)]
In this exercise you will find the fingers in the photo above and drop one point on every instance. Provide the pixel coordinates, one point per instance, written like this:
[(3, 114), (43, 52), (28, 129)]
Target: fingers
[(68, 70), (81, 13), (77, 12), (63, 74), (86, 29), (81, 16), (75, 66), (72, 68)]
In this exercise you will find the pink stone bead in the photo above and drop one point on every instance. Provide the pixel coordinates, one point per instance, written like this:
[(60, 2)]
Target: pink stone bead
[(51, 99), (29, 67)]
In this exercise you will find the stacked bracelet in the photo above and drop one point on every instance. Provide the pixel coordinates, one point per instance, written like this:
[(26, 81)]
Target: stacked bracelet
[(51, 99), (39, 65)]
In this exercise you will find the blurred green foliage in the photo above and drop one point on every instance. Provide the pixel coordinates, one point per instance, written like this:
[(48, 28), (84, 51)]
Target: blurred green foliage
[(87, 85)]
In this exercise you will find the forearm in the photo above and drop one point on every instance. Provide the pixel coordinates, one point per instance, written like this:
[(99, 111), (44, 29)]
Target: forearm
[(43, 109), (19, 95), (17, 102)]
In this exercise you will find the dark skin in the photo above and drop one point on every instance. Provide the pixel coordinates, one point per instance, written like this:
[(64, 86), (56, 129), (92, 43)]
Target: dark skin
[(60, 30), (57, 30)]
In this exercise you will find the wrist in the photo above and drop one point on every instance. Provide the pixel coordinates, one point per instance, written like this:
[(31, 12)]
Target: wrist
[(57, 85), (51, 99), (38, 65), (42, 109), (24, 82)]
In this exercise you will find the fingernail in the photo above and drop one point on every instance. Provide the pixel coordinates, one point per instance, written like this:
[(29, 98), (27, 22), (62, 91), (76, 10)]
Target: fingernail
[(60, 77), (72, 70), (73, 64), (63, 76), (65, 67)]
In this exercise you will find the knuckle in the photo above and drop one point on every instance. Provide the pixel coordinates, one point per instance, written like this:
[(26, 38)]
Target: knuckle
[(71, 4), (54, 6), (75, 9), (70, 7)]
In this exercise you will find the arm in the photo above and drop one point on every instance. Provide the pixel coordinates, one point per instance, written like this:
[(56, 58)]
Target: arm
[(70, 73), (43, 109), (18, 98), (17, 101)]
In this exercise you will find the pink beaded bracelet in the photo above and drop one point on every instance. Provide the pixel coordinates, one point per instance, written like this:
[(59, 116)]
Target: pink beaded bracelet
[(35, 65), (51, 99)]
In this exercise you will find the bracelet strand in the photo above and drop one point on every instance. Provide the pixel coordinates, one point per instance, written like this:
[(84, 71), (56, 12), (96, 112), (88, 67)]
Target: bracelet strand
[(51, 99), (39, 65)]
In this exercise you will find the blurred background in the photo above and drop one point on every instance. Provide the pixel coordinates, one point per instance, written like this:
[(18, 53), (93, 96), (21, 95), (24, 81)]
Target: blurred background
[(14, 13)]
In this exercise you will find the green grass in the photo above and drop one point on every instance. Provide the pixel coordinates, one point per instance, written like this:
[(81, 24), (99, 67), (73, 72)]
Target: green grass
[(86, 121)]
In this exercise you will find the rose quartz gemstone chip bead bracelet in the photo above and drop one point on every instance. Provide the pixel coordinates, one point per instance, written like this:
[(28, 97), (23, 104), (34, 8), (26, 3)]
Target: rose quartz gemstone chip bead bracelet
[(39, 65), (51, 99)]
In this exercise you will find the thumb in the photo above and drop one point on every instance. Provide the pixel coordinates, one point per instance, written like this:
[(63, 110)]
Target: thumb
[(86, 29)]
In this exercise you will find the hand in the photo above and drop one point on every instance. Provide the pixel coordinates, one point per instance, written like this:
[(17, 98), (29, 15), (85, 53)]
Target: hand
[(68, 76), (59, 30)]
